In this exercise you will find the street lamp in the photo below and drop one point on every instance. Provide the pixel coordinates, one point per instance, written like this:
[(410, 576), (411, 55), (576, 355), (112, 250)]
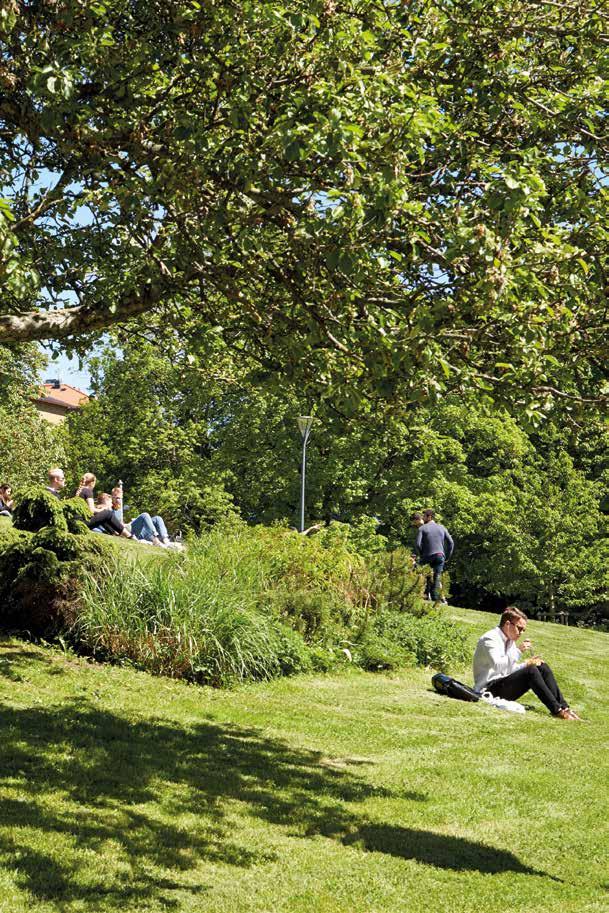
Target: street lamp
[(304, 426)]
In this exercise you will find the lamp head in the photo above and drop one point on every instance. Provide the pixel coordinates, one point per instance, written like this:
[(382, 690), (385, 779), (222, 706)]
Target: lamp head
[(304, 424)]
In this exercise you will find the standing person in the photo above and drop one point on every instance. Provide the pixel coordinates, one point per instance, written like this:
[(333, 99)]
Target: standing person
[(57, 481), (6, 501), (498, 667), (434, 546)]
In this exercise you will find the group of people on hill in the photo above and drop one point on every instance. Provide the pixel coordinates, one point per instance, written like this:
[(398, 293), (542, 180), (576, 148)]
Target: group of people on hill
[(107, 512)]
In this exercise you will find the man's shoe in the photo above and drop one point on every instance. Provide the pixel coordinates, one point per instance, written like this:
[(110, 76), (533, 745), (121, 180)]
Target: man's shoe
[(565, 714)]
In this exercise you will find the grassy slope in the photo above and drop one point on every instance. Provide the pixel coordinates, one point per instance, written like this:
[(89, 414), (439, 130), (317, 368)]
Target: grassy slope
[(122, 546), (358, 793)]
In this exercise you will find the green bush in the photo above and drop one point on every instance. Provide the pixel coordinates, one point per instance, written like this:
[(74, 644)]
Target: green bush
[(433, 640), (77, 513), (41, 574), (37, 508), (242, 603), (8, 533), (253, 603), (376, 652), (172, 621)]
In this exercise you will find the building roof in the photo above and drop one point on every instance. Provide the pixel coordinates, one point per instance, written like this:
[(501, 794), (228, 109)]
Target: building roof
[(56, 393)]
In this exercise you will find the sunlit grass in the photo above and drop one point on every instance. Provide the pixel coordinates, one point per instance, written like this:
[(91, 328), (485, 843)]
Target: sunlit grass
[(124, 792)]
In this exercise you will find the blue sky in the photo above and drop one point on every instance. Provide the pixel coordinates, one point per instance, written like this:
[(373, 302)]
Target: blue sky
[(68, 371)]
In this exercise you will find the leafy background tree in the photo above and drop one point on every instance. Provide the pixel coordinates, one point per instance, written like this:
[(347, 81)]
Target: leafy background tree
[(529, 520), (29, 446), (393, 214)]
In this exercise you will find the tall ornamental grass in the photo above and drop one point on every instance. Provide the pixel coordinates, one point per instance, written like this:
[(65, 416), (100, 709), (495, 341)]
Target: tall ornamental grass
[(246, 603)]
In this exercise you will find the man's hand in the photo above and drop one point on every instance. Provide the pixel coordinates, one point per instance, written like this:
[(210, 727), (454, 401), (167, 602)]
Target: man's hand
[(534, 661), (525, 645)]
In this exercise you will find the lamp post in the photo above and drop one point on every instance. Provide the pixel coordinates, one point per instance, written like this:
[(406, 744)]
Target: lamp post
[(304, 426)]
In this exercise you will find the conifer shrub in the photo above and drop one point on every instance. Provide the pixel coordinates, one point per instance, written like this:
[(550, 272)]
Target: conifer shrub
[(77, 513), (38, 508), (41, 572)]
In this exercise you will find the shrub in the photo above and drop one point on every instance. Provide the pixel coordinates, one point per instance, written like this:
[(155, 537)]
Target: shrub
[(293, 654), (432, 639), (376, 652), (38, 508), (251, 603), (41, 574), (242, 603), (77, 513), (359, 536), (169, 621), (397, 585)]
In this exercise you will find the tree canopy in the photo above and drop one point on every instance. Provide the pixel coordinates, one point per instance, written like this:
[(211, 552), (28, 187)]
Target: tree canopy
[(528, 510), (397, 197)]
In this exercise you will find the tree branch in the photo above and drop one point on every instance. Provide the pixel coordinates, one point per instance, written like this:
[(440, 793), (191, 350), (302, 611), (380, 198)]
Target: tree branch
[(57, 324)]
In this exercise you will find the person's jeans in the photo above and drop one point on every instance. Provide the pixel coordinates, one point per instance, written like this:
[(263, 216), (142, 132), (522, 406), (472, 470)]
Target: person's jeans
[(146, 527), (539, 679), (436, 563)]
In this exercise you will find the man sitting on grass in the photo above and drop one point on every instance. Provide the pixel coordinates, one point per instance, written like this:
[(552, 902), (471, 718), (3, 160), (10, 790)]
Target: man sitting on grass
[(57, 481), (498, 669)]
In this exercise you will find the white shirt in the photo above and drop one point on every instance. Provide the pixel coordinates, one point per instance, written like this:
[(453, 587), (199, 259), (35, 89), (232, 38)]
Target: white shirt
[(495, 657)]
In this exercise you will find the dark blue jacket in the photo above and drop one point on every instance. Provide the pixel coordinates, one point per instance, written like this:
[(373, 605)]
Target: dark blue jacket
[(433, 539)]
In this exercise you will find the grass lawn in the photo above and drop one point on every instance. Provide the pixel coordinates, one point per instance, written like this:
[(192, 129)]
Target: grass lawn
[(356, 793)]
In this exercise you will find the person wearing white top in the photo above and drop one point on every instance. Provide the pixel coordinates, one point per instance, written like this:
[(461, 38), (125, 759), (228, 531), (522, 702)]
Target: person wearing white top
[(498, 667)]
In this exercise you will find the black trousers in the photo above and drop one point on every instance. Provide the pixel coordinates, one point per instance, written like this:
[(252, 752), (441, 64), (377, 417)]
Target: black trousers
[(106, 519), (539, 679)]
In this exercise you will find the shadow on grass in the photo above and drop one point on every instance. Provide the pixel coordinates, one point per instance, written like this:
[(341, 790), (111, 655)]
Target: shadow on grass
[(151, 797), (104, 810), (439, 850)]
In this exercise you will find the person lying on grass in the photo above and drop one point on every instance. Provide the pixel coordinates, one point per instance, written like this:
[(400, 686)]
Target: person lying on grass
[(142, 529), (498, 667)]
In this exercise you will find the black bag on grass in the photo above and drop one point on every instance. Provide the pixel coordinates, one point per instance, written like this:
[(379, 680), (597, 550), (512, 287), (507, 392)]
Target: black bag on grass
[(444, 684)]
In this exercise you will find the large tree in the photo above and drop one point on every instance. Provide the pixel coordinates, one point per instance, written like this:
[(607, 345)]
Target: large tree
[(402, 196)]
